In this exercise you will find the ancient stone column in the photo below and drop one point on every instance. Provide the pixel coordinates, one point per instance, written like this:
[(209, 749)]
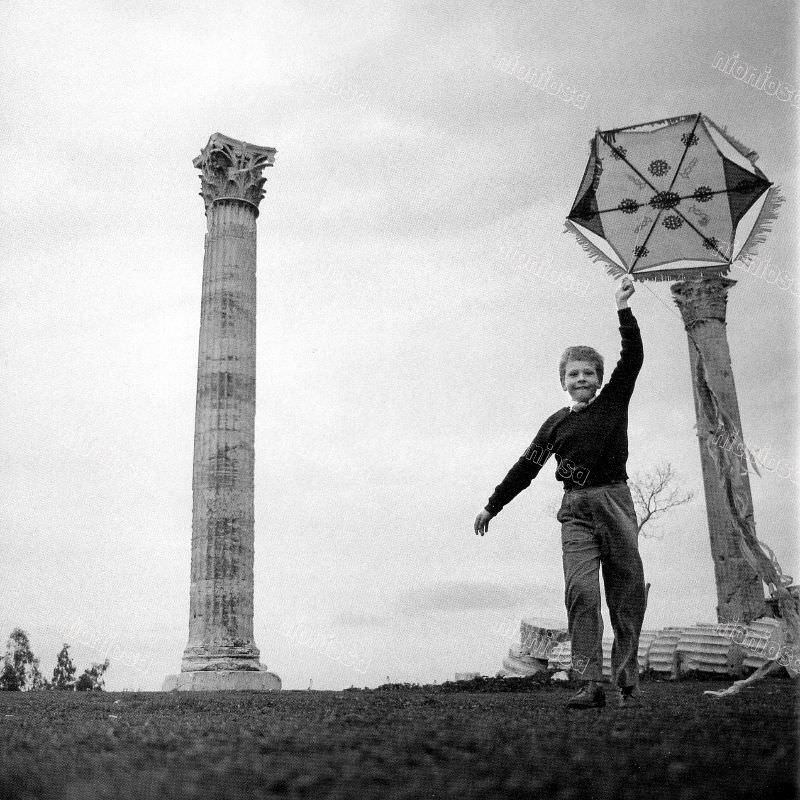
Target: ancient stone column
[(221, 652), (703, 305)]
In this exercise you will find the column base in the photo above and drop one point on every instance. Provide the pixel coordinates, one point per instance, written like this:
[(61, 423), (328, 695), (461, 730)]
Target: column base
[(222, 681)]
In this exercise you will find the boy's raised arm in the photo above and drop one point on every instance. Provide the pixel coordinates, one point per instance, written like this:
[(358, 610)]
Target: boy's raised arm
[(631, 356)]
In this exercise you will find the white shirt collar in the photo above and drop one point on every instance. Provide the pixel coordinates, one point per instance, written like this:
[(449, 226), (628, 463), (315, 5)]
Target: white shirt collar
[(580, 406)]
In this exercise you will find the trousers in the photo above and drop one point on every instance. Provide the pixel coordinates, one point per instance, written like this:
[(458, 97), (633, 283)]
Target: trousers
[(599, 529)]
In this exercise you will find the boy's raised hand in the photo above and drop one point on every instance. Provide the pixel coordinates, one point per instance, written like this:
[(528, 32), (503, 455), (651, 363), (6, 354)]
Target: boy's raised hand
[(624, 291), (482, 522)]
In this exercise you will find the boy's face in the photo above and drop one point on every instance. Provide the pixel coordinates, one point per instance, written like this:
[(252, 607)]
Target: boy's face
[(581, 380)]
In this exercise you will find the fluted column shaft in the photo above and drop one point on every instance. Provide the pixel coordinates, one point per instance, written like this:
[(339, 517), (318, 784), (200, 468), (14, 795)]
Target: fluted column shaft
[(221, 596), (703, 305)]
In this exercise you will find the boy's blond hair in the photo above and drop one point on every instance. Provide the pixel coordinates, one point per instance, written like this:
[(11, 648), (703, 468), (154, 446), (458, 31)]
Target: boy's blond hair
[(581, 352)]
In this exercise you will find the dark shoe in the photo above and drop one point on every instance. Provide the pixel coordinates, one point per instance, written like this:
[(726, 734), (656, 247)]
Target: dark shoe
[(629, 697), (588, 698)]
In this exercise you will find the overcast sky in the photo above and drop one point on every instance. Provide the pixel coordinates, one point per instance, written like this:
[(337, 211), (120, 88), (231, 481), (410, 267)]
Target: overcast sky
[(415, 292)]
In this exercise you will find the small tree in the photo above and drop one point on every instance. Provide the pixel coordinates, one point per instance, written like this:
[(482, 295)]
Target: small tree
[(37, 680), (9, 680), (19, 663), (64, 672), (92, 678), (654, 494)]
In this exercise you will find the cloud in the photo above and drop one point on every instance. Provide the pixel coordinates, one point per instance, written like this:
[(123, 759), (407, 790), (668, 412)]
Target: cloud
[(471, 596), (518, 599)]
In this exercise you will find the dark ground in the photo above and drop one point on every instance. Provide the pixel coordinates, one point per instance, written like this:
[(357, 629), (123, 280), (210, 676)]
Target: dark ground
[(414, 742)]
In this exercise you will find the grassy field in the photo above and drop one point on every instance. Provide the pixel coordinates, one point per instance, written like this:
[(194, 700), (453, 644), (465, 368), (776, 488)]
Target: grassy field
[(400, 742)]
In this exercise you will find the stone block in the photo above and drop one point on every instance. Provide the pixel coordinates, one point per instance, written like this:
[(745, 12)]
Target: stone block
[(222, 681)]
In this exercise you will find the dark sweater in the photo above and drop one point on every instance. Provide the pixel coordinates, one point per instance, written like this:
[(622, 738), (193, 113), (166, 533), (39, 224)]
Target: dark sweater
[(590, 446)]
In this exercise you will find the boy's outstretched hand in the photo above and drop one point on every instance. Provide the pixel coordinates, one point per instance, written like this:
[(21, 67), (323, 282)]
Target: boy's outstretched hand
[(624, 291), (482, 522)]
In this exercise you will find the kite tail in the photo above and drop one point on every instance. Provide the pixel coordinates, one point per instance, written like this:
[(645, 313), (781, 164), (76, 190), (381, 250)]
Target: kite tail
[(595, 253), (731, 469), (763, 225)]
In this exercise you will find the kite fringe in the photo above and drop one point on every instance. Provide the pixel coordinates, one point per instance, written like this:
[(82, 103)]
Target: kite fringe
[(596, 254), (658, 122), (689, 274), (748, 152), (763, 224)]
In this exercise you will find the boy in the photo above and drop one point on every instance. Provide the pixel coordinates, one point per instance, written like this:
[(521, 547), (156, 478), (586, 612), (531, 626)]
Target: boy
[(598, 520)]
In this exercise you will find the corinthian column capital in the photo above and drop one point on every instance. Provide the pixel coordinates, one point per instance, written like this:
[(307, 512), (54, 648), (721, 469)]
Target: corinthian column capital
[(702, 300), (232, 170)]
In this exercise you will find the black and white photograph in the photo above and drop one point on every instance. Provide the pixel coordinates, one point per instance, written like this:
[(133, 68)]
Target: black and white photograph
[(400, 400)]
